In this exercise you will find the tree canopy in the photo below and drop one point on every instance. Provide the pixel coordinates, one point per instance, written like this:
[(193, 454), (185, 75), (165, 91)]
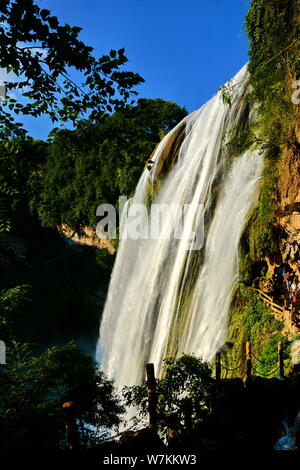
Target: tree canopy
[(42, 54), (33, 390), (96, 164), (45, 281), (185, 378)]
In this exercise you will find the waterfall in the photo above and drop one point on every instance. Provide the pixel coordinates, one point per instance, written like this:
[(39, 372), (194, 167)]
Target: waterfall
[(165, 298)]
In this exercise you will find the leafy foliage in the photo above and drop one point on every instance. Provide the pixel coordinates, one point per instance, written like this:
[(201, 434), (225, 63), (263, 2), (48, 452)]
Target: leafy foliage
[(250, 320), (44, 281), (20, 161), (13, 303), (273, 31), (62, 277), (186, 378), (49, 285), (33, 390), (269, 352), (226, 93), (41, 53), (97, 163)]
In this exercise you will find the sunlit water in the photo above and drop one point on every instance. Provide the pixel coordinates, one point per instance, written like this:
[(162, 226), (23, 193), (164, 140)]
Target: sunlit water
[(150, 310)]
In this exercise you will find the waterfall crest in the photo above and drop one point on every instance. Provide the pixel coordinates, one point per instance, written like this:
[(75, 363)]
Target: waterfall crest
[(164, 298)]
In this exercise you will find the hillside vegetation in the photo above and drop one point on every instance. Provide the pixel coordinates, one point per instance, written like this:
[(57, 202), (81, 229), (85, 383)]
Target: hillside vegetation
[(273, 29)]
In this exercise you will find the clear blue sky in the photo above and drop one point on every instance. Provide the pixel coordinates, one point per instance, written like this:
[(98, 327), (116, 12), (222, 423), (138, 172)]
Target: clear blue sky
[(185, 50)]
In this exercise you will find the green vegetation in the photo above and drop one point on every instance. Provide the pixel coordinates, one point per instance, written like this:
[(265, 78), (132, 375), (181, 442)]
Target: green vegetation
[(186, 379), (42, 53), (273, 31), (63, 181), (96, 164), (152, 191), (47, 289), (268, 361), (33, 390), (251, 320), (52, 291), (45, 282)]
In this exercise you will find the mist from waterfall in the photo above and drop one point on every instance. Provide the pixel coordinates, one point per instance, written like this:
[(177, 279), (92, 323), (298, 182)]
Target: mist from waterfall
[(163, 297)]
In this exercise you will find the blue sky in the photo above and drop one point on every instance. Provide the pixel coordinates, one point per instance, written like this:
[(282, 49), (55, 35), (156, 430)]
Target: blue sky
[(185, 50)]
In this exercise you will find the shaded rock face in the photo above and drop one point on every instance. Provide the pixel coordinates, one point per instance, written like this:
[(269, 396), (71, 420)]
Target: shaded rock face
[(170, 153)]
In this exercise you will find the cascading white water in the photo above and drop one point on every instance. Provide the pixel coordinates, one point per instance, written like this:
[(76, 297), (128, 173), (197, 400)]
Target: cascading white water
[(164, 298), (219, 272)]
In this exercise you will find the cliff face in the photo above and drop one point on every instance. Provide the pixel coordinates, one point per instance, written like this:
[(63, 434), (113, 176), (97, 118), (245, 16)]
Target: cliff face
[(289, 198), (87, 237), (289, 183)]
